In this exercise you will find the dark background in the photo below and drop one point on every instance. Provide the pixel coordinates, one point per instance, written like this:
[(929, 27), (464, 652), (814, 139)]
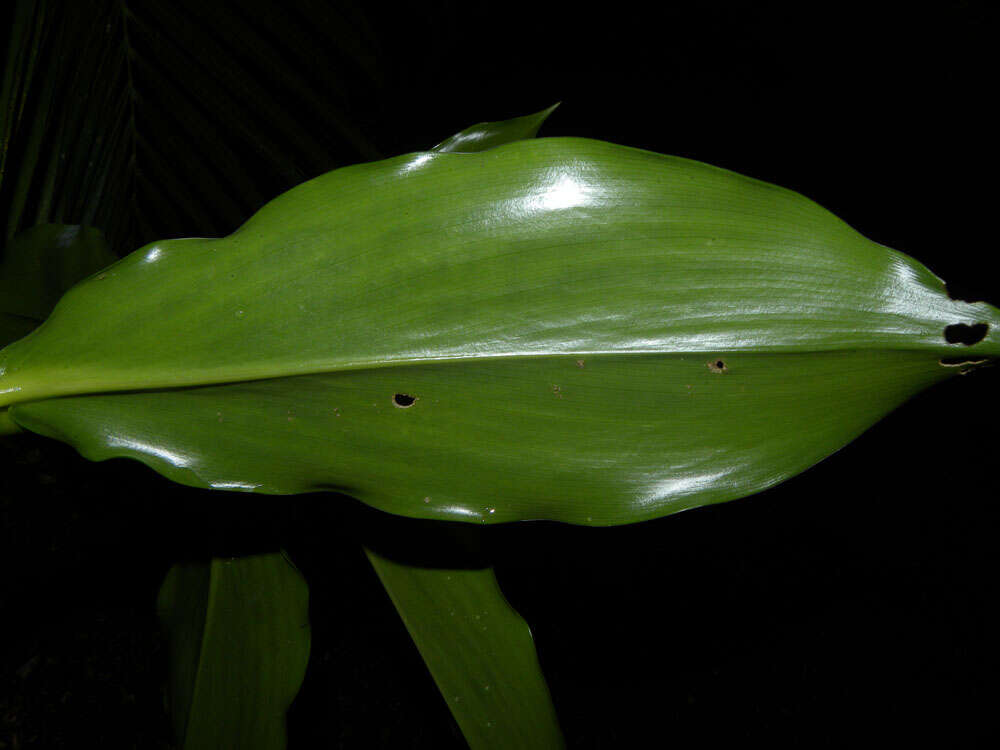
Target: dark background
[(853, 603)]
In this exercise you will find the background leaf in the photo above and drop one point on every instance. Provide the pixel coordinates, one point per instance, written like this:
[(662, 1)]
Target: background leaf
[(38, 267), (153, 119), (478, 648), (487, 135), (239, 637), (41, 264), (7, 425)]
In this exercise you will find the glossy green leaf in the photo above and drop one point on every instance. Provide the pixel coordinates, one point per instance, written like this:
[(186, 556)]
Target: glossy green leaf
[(479, 651), (238, 630), (556, 328)]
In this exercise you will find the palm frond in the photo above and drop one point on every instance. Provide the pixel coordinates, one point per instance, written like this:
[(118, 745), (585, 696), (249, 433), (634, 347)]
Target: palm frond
[(152, 119)]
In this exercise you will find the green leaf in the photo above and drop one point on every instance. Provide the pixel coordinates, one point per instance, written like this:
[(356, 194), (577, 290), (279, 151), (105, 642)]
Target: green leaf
[(556, 328), (39, 266), (36, 268), (478, 649), (487, 135), (238, 630)]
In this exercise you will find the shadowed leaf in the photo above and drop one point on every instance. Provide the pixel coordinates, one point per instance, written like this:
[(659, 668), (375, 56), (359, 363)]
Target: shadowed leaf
[(152, 119), (36, 269), (478, 649), (238, 631), (38, 266)]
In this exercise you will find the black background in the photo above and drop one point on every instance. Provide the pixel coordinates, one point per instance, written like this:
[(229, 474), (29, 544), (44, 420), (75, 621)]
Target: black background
[(852, 603)]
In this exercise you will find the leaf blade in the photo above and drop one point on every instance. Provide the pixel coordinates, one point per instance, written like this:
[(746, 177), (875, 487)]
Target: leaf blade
[(238, 631), (43, 263), (676, 333), (622, 439), (479, 651), (728, 264)]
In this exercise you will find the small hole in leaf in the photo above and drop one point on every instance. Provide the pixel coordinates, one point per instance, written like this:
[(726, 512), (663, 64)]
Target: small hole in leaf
[(718, 366), (403, 400), (960, 333)]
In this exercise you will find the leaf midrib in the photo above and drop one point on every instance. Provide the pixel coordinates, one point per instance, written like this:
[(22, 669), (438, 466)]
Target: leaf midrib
[(233, 377)]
